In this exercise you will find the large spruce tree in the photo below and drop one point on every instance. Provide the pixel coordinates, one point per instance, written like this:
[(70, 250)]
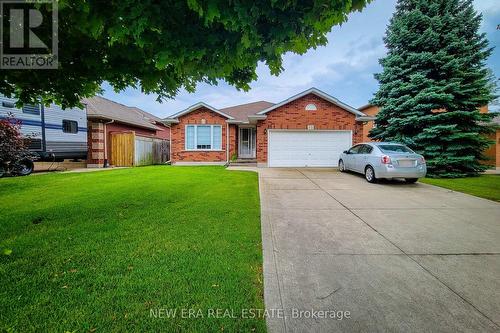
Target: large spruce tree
[(433, 82)]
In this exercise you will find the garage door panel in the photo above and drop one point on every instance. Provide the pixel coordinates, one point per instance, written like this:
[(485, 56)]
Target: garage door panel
[(307, 149)]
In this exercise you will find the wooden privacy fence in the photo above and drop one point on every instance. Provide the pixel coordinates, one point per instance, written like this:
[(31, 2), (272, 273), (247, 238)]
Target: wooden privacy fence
[(161, 151), (143, 151), (122, 149), (127, 149)]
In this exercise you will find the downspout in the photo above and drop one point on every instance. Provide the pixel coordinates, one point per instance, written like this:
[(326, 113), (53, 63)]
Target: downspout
[(227, 144), (169, 145), (106, 164)]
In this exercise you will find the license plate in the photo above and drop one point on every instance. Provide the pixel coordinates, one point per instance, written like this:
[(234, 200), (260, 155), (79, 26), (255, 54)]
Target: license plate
[(406, 163)]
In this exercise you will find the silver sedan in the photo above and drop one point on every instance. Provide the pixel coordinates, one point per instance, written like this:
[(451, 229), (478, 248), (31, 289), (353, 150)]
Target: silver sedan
[(383, 160)]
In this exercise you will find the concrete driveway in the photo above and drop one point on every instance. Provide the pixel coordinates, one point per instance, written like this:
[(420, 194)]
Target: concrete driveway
[(383, 257)]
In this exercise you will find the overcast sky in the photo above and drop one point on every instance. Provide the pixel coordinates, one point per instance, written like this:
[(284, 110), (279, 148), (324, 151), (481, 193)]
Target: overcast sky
[(343, 68)]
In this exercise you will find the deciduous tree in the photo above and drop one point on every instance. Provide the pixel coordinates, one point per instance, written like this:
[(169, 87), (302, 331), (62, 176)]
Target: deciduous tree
[(163, 46)]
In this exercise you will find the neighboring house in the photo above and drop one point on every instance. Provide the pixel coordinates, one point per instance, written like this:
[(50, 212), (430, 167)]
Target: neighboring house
[(371, 111), (107, 118), (493, 153), (309, 129)]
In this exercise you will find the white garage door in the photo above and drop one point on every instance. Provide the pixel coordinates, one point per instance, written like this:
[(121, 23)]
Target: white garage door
[(307, 149)]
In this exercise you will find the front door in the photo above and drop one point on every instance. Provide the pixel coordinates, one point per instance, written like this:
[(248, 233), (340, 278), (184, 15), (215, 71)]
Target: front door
[(247, 143)]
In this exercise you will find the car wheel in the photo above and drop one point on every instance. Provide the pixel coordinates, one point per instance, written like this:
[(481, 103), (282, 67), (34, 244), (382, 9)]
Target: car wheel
[(411, 180), (25, 168), (341, 166), (370, 175)]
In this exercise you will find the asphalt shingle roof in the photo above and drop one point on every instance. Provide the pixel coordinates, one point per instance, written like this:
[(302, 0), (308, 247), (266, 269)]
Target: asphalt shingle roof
[(241, 112), (100, 107)]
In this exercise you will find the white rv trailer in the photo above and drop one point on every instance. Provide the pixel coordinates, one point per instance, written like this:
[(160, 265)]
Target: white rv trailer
[(55, 134)]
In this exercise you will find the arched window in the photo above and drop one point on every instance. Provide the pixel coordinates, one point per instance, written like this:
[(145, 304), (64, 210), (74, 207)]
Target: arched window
[(311, 107)]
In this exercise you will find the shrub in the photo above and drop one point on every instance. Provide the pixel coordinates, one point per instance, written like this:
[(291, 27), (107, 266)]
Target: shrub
[(13, 147)]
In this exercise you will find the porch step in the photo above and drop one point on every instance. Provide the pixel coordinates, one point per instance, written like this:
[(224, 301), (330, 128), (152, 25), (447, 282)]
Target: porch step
[(244, 162)]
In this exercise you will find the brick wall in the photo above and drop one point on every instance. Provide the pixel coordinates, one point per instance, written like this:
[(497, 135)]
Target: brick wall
[(493, 152), (179, 153), (294, 116), (163, 133), (497, 148), (368, 125), (233, 137), (95, 143)]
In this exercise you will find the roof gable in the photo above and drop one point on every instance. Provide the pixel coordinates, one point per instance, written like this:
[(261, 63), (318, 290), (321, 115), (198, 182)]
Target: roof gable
[(366, 106), (242, 111), (318, 93), (195, 107)]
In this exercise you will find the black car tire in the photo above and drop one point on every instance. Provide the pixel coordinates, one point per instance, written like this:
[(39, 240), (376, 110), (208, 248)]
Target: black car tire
[(341, 166), (370, 175), (411, 180)]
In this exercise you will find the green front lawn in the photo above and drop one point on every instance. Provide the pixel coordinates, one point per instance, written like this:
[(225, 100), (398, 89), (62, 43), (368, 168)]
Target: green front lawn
[(484, 186), (111, 251)]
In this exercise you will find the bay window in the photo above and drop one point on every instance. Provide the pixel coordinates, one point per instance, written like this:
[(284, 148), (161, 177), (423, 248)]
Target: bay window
[(203, 137)]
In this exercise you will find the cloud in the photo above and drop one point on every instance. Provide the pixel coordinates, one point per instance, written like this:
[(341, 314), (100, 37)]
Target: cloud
[(487, 7)]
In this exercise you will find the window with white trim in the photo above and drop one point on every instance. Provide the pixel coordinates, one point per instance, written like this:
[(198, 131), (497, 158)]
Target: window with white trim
[(203, 137)]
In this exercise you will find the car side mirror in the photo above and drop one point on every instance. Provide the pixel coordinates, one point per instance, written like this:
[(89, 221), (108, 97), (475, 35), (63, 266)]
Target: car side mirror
[(346, 152)]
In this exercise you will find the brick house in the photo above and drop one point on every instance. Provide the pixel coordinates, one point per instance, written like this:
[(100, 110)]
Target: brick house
[(106, 117), (311, 129), (370, 111), (493, 153)]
